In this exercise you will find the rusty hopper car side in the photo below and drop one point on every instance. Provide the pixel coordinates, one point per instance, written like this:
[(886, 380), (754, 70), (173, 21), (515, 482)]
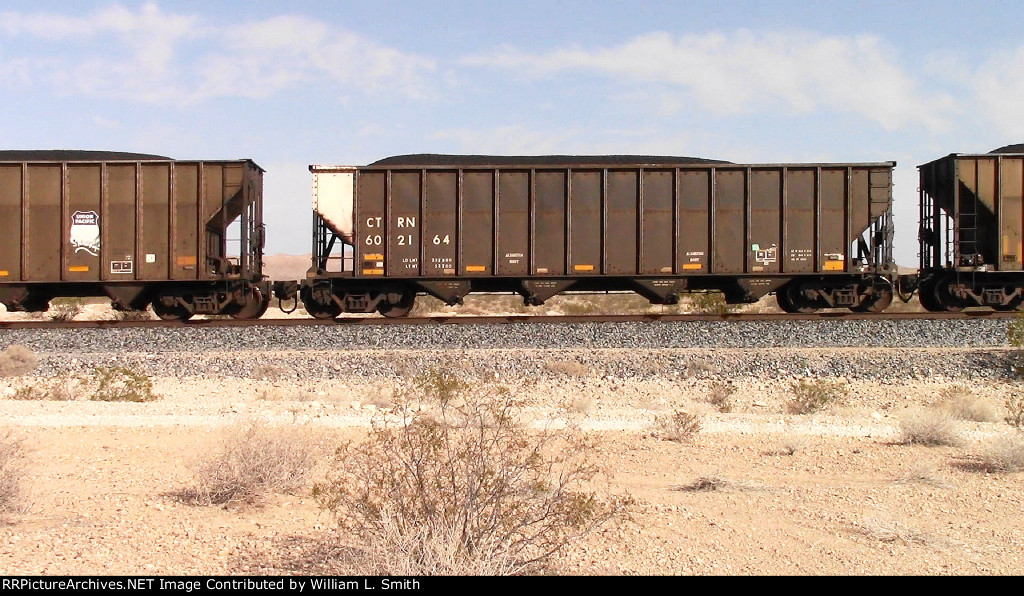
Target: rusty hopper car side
[(140, 229), (819, 235), (971, 230)]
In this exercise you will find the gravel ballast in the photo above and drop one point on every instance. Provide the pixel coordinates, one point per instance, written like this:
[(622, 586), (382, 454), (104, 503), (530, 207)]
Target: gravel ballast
[(924, 333), (973, 348)]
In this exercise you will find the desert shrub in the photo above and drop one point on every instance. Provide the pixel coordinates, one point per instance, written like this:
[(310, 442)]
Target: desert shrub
[(568, 368), (66, 309), (931, 426), (714, 483), (1015, 411), (103, 384), (581, 405), (132, 315), (1015, 337), (886, 529), (710, 303), (252, 461), (269, 372), (286, 395), (55, 389), (452, 483), (598, 304), (1004, 454), (705, 484), (12, 456), (17, 360), (122, 384), (790, 443), (922, 473), (961, 402), (679, 426), (814, 395), (720, 396), (579, 307)]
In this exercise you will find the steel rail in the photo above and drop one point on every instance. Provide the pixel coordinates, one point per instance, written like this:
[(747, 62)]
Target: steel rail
[(375, 320)]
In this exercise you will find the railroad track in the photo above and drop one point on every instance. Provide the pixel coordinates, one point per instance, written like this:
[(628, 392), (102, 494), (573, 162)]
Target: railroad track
[(375, 320)]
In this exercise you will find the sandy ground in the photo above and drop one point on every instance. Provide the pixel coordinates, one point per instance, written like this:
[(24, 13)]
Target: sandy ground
[(102, 482)]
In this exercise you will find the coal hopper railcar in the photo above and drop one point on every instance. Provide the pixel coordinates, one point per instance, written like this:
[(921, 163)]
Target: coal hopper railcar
[(818, 235), (971, 231), (183, 236)]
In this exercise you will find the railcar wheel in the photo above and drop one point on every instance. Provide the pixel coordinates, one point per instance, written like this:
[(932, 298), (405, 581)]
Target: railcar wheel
[(946, 300), (883, 301), (171, 313), (255, 305), (319, 302), (322, 311), (926, 296), (396, 310), (791, 300), (878, 300), (877, 304)]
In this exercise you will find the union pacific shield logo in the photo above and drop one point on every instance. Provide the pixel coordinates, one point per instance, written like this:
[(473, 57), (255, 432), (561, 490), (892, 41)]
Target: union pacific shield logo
[(85, 232)]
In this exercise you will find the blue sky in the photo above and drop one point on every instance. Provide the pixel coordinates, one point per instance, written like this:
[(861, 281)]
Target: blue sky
[(289, 84)]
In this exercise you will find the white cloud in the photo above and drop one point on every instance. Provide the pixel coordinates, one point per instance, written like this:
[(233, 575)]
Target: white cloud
[(262, 57), (748, 71), (149, 20), (998, 89), (152, 55)]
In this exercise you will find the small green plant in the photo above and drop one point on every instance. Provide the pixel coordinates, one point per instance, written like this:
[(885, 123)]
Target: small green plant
[(449, 482), (66, 309), (1015, 332), (679, 426), (1015, 337), (720, 396), (253, 460), (16, 360), (56, 389), (132, 315), (122, 384), (710, 303), (814, 395), (931, 426), (12, 472)]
